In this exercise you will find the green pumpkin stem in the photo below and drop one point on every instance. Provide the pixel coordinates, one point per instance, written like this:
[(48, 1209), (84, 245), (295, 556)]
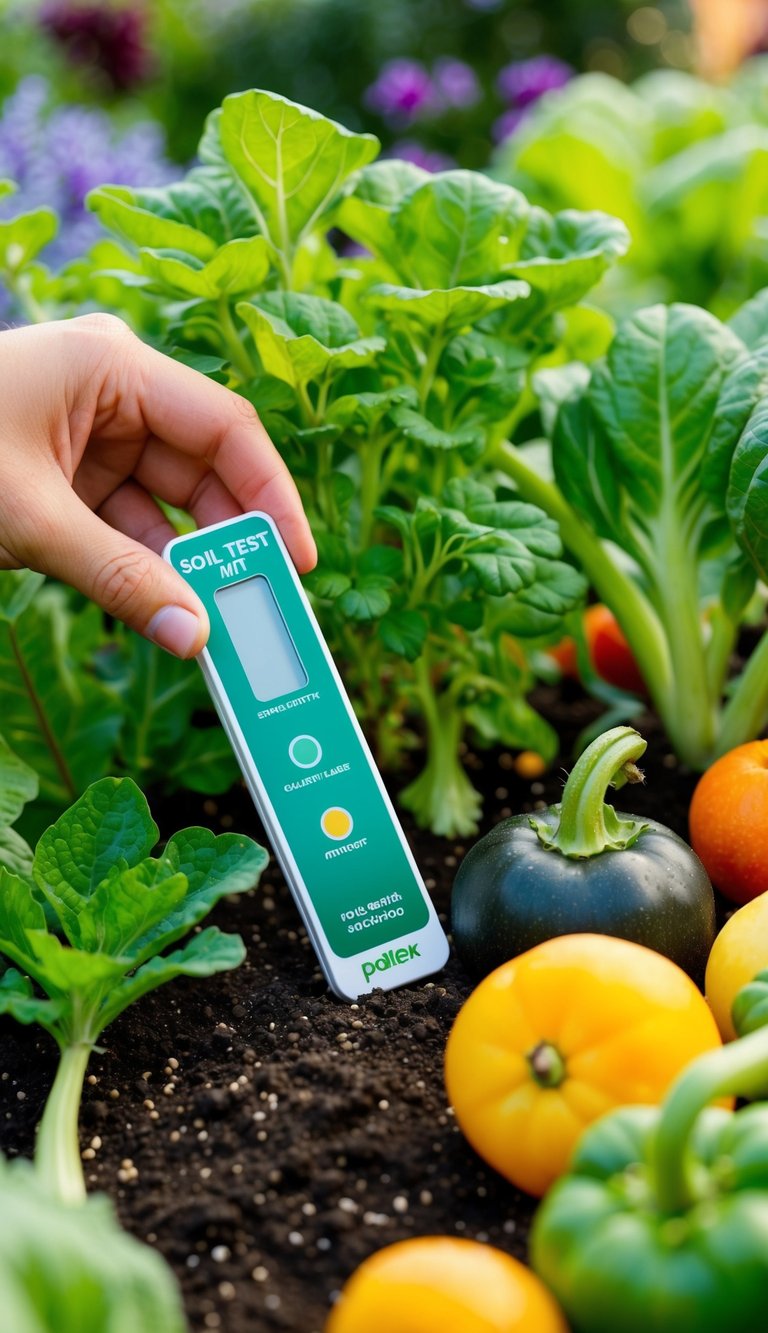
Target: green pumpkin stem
[(585, 825)]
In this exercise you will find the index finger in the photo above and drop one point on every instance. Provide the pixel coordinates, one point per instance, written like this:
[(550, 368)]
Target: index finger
[(210, 422)]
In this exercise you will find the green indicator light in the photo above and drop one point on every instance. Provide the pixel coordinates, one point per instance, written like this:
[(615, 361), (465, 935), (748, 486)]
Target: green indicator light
[(305, 751)]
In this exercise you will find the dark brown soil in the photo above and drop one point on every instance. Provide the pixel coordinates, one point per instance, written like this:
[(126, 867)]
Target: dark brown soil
[(265, 1136)]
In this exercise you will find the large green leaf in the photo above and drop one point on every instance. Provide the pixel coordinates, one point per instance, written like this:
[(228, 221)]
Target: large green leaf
[(747, 499), (127, 907), (212, 867), (110, 825), (203, 956), (23, 237), (538, 610), (456, 229), (447, 310), (237, 266), (17, 589), (365, 214), (18, 784), (656, 398), (415, 426), (53, 709), (293, 161), (529, 524), (66, 1269), (18, 999), (196, 215), (564, 256), (299, 338), (19, 912)]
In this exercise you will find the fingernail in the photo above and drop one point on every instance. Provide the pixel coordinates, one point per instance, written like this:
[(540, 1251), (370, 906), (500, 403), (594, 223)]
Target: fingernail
[(175, 629)]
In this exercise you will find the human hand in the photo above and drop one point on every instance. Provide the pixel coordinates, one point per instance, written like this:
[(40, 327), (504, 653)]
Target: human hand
[(94, 424)]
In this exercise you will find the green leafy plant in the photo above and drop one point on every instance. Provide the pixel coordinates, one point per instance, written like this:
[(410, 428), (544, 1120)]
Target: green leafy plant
[(66, 1269), (116, 909), (387, 377), (78, 700), (682, 161), (659, 460)]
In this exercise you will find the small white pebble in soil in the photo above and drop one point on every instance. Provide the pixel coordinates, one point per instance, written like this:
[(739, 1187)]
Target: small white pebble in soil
[(220, 1254), (22, 1096), (227, 1291), (212, 1320), (205, 1172), (347, 1205), (260, 1273), (509, 1227), (173, 1062), (425, 1198), (375, 1219), (383, 1104), (295, 1238), (323, 1243), (88, 1154), (92, 1079), (272, 1302), (400, 1203), (193, 1260)]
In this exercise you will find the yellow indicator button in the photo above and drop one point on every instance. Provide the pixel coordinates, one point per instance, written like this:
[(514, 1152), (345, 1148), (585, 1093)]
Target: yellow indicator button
[(336, 822)]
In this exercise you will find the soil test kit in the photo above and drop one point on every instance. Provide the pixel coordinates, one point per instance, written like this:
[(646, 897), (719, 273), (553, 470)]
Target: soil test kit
[(306, 762)]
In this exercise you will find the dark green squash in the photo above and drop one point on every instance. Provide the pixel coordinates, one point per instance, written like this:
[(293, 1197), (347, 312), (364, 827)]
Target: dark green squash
[(578, 867)]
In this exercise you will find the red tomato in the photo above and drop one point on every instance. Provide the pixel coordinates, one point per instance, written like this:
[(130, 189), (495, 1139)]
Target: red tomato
[(609, 652), (729, 821)]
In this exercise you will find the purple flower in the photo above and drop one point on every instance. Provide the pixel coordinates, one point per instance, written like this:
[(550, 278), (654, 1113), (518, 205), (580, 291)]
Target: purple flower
[(402, 91), (426, 158), (456, 83), (56, 156), (484, 4), (507, 123), (102, 37), (525, 81)]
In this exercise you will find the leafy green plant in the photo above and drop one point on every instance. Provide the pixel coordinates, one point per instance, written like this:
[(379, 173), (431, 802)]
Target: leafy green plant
[(116, 909), (78, 700), (659, 459), (66, 1269), (683, 162), (387, 378)]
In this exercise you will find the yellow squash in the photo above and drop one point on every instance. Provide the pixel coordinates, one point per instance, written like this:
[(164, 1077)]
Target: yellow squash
[(559, 1036), (437, 1284)]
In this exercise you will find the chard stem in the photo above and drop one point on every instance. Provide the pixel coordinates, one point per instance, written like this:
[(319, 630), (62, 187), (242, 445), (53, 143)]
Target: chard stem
[(57, 1154), (631, 607), (745, 714)]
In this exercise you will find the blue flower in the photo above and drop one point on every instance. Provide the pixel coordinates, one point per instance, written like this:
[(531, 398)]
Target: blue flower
[(56, 155)]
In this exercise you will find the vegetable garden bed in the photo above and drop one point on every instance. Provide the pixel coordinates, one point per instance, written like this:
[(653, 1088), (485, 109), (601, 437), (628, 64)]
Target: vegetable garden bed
[(267, 1137)]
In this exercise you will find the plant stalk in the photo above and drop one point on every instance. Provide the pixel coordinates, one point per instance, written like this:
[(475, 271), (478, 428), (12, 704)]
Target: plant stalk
[(632, 609), (587, 826), (745, 714), (57, 1153), (737, 1070)]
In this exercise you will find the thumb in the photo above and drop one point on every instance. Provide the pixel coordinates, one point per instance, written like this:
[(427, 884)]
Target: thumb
[(128, 580)]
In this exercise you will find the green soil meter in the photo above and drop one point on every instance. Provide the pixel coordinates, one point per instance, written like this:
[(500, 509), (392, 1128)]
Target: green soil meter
[(305, 760)]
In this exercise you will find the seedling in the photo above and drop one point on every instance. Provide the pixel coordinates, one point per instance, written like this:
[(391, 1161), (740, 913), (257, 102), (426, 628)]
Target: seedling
[(117, 908)]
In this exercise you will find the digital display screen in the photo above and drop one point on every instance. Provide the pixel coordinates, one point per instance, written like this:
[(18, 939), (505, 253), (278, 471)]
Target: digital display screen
[(260, 636)]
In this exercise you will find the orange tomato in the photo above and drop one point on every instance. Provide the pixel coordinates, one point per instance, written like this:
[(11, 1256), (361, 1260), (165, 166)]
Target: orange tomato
[(728, 820), (562, 1034), (440, 1285)]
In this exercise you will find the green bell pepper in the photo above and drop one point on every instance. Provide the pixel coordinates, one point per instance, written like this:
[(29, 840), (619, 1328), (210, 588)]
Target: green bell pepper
[(661, 1225)]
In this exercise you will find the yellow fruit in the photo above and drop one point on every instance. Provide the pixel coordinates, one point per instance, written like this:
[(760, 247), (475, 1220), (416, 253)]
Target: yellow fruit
[(738, 954), (440, 1285)]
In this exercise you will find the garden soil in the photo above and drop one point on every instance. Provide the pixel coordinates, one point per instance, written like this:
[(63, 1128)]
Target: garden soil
[(265, 1136)]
